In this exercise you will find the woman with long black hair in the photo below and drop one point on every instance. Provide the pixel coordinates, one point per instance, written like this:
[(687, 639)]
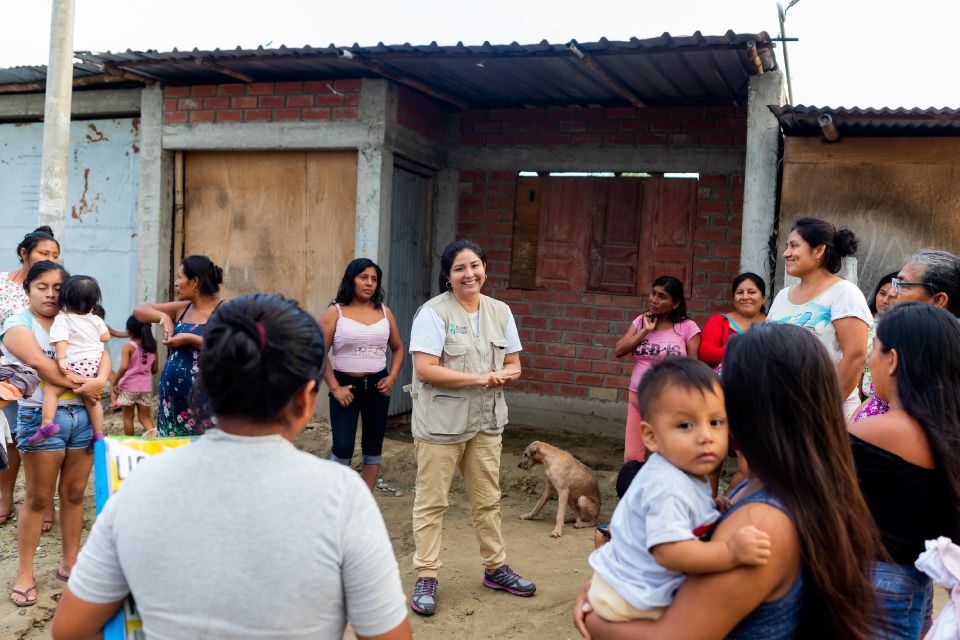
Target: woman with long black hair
[(663, 330), (908, 459), (360, 328)]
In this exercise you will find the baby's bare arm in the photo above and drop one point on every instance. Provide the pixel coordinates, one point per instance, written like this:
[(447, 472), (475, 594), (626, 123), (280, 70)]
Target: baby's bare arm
[(749, 546)]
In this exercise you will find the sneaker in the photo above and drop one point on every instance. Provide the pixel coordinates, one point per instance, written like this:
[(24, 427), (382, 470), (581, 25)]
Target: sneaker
[(424, 600), (508, 580), (44, 433)]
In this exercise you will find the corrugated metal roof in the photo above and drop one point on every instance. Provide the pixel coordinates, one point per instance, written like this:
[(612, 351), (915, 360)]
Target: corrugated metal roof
[(665, 70), (801, 120)]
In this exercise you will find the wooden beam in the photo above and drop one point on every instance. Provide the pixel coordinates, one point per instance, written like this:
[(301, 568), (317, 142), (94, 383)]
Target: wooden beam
[(219, 68), (83, 81), (603, 76), (129, 75), (404, 80)]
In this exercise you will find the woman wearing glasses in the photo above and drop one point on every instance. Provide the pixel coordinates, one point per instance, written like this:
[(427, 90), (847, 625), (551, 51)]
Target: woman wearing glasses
[(832, 308), (930, 276)]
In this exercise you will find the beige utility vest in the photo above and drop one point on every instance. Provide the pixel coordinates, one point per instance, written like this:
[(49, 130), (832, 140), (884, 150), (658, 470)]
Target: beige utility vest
[(442, 415)]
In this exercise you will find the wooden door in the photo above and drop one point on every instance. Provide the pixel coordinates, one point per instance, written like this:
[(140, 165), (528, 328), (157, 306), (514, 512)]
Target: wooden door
[(276, 222)]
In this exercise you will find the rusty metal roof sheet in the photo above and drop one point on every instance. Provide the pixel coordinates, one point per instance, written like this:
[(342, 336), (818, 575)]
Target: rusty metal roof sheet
[(801, 120), (666, 70)]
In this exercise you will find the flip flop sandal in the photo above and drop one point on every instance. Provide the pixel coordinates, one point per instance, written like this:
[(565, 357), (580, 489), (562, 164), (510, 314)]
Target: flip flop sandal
[(8, 516), (59, 575), (27, 600)]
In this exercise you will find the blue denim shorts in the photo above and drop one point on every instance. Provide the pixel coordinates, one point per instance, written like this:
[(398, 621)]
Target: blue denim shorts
[(902, 593), (75, 429)]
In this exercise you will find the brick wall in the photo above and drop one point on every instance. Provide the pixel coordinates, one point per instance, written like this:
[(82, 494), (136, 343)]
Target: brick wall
[(673, 126), (420, 113), (263, 102), (568, 336)]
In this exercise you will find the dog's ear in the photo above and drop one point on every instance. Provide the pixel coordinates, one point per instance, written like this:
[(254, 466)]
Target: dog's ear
[(534, 448)]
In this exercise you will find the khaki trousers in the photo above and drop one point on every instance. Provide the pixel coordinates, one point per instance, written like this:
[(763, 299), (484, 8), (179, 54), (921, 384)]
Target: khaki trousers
[(479, 462)]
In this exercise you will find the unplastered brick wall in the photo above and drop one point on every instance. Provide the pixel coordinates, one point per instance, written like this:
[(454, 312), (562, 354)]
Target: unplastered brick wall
[(420, 113), (263, 102), (568, 336), (673, 126)]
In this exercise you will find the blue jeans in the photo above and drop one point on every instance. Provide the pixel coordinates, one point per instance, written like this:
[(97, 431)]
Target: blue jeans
[(369, 404), (902, 594), (75, 429)]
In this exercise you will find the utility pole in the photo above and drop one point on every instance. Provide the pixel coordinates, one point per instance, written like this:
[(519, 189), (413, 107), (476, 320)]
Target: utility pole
[(56, 118)]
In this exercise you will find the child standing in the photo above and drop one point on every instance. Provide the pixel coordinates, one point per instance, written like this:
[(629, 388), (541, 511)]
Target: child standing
[(77, 335), (659, 525), (132, 385)]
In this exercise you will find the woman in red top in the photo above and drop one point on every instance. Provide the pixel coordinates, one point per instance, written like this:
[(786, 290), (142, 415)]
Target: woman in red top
[(749, 294)]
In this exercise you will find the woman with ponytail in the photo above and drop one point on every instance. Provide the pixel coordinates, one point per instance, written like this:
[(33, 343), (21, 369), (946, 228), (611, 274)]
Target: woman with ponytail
[(181, 411), (834, 309), (243, 558)]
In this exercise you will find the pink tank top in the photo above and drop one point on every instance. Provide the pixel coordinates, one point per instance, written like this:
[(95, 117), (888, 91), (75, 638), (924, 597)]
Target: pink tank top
[(358, 347), (138, 378)]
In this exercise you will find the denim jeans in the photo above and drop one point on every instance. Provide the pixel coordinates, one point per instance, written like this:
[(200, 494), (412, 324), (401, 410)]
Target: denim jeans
[(902, 594), (369, 404), (75, 429)]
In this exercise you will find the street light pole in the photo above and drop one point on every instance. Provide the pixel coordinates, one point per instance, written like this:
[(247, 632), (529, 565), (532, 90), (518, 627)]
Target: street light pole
[(56, 118)]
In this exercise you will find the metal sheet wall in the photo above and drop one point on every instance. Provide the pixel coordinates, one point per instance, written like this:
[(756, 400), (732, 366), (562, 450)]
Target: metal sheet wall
[(407, 282), (103, 190)]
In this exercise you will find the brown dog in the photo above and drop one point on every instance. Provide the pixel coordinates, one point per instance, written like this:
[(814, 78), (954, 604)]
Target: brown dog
[(574, 482)]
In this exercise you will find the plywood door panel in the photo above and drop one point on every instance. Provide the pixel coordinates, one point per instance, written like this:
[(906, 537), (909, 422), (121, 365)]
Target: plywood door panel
[(331, 200), (277, 222)]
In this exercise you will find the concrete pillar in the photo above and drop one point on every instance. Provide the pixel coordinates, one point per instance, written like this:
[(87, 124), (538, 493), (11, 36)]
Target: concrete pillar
[(444, 219), (155, 204), (56, 118), (760, 175), (375, 174)]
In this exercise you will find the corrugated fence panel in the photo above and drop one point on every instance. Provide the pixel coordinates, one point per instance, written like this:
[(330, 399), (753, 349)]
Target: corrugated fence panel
[(407, 282), (101, 217)]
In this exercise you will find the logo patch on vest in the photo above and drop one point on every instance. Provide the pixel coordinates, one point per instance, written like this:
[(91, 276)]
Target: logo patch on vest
[(454, 329)]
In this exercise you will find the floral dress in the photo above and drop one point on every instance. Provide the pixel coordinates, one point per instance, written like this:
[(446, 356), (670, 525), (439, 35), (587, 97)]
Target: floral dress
[(182, 410), (13, 299)]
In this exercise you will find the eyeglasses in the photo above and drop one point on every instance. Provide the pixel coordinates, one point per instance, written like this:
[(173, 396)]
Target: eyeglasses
[(899, 284)]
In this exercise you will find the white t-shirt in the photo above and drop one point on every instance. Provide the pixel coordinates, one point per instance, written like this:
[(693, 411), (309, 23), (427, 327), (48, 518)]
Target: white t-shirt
[(428, 333), (662, 505), (81, 333), (25, 319), (842, 300), (244, 537)]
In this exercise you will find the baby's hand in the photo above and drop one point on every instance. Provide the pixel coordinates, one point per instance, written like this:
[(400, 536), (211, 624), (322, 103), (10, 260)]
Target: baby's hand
[(723, 503), (750, 545), (64, 369)]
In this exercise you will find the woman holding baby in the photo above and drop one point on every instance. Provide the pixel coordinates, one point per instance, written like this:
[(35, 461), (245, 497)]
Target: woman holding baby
[(783, 405)]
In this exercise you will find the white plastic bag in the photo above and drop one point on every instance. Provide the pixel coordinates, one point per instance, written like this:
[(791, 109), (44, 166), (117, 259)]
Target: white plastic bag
[(941, 561)]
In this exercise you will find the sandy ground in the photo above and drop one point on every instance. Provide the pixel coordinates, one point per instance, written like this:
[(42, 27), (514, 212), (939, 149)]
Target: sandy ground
[(466, 608)]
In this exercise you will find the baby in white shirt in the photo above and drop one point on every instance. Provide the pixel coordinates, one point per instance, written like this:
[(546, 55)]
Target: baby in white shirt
[(77, 336), (659, 526)]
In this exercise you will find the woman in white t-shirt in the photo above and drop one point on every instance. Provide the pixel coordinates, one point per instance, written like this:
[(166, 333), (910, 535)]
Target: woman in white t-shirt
[(834, 309)]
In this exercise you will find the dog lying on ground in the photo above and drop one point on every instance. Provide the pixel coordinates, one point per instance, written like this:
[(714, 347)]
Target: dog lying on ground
[(574, 483)]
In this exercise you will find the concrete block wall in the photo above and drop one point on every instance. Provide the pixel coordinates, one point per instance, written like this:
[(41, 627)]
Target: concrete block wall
[(263, 102)]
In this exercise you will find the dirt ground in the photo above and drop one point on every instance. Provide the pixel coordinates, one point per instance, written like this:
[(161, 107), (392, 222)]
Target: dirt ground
[(466, 609)]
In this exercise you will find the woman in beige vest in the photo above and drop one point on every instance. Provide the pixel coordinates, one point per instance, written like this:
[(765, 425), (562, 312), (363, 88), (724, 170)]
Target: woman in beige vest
[(465, 349)]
